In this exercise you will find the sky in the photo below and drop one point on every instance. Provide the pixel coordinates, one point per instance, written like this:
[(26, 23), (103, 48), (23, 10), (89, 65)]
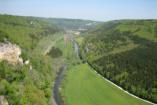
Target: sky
[(100, 10)]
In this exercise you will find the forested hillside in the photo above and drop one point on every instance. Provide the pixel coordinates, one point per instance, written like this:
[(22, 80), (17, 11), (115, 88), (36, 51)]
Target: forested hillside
[(125, 52), (73, 24), (29, 83)]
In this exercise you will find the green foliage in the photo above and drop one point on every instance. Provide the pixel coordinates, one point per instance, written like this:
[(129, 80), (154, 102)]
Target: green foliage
[(33, 96), (9, 76), (55, 52), (25, 31), (23, 85), (10, 73), (125, 53), (3, 36)]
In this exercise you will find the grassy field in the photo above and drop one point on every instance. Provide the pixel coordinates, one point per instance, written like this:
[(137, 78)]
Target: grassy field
[(83, 86)]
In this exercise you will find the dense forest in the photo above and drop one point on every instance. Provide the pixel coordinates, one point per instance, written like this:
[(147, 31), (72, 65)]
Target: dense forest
[(125, 52), (29, 84)]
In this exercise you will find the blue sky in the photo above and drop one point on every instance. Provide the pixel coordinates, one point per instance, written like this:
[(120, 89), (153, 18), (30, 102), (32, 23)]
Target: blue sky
[(102, 10)]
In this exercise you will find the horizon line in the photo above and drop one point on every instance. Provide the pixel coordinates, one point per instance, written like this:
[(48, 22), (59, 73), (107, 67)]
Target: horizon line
[(105, 20)]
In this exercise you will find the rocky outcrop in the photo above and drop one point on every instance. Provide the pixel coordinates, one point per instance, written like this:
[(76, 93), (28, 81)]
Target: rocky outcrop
[(11, 53), (3, 101)]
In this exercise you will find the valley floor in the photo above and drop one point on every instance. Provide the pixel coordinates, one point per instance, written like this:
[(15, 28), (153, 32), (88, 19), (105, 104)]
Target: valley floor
[(83, 86)]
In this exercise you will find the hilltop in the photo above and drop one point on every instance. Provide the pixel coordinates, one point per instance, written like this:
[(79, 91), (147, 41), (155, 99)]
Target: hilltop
[(74, 24)]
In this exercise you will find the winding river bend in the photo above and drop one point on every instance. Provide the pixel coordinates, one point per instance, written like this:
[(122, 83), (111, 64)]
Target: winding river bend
[(57, 99), (56, 94)]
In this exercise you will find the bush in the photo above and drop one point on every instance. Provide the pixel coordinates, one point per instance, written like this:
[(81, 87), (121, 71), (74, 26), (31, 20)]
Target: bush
[(3, 36), (55, 52)]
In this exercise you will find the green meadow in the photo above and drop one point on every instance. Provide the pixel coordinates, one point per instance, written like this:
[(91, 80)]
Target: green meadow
[(82, 86)]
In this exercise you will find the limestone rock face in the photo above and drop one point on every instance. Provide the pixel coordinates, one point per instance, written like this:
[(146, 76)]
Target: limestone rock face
[(11, 53), (3, 101)]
